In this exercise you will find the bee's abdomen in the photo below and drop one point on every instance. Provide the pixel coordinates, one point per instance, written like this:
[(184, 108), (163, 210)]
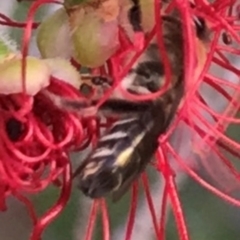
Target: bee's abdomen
[(123, 151), (102, 171)]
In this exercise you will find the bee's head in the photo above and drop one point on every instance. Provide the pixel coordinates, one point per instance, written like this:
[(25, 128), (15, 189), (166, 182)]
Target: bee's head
[(96, 182), (144, 79)]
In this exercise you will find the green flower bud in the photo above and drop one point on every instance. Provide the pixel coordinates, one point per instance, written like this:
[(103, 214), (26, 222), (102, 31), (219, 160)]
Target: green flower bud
[(37, 76), (94, 40), (53, 36)]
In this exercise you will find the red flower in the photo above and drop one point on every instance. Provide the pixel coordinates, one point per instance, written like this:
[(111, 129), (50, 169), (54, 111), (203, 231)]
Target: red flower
[(36, 136)]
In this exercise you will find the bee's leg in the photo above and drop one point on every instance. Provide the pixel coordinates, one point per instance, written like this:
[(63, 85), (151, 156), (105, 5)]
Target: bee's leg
[(134, 16), (82, 107), (123, 107), (112, 107)]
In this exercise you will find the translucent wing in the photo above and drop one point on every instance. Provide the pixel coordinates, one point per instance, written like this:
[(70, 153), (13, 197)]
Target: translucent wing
[(205, 142)]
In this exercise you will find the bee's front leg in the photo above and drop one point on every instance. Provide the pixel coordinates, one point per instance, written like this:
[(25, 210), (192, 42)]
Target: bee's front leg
[(134, 16), (121, 107), (110, 108)]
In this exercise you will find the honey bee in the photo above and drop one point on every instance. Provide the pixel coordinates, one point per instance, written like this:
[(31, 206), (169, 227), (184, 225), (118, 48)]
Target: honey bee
[(125, 149)]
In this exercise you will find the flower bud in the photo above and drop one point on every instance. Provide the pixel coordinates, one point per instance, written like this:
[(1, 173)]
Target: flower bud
[(53, 36), (37, 76), (94, 35), (95, 42)]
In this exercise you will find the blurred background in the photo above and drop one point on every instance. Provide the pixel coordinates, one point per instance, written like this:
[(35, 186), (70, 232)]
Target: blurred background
[(208, 217)]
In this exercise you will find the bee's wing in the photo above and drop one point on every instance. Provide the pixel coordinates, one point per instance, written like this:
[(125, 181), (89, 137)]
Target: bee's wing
[(214, 164)]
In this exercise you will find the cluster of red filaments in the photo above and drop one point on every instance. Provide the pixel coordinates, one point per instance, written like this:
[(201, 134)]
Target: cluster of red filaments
[(36, 137)]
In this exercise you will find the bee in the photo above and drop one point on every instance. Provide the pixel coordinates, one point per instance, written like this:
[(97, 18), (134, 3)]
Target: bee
[(126, 148), (124, 151)]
